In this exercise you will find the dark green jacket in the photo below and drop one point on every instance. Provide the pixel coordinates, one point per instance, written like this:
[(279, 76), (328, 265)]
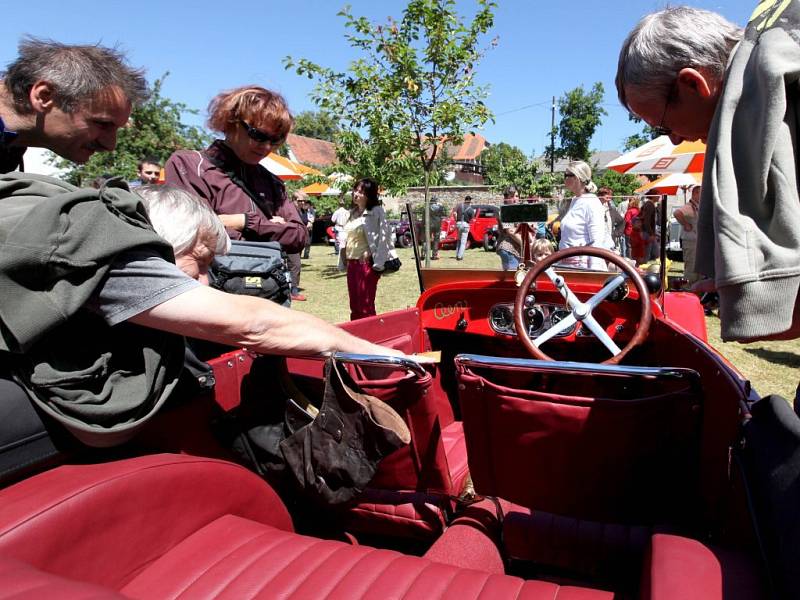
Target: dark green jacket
[(57, 243)]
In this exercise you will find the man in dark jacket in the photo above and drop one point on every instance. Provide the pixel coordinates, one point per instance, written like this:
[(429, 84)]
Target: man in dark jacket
[(68, 99)]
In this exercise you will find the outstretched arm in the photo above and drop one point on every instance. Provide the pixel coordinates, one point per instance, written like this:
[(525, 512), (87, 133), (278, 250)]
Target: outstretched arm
[(252, 323)]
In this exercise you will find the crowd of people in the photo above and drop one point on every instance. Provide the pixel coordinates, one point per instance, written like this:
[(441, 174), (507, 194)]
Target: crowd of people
[(688, 73)]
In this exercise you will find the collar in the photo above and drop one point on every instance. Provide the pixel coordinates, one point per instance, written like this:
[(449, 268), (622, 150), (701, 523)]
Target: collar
[(6, 135)]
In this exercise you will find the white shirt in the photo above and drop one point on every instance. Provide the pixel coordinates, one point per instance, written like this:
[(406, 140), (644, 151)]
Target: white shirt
[(340, 217), (584, 225)]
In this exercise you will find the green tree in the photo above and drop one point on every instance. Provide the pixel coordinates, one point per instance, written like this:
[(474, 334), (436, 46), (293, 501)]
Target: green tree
[(155, 129), (638, 139), (545, 184), (581, 114), (622, 184), (413, 89), (316, 124), (506, 165)]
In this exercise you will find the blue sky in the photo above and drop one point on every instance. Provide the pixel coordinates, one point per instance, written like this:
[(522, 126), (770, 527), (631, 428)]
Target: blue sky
[(545, 48)]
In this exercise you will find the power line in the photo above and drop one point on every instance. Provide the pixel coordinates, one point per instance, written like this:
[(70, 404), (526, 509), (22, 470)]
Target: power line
[(527, 106)]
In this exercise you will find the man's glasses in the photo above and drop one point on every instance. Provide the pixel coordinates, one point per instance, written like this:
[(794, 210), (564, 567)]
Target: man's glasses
[(661, 130), (261, 137)]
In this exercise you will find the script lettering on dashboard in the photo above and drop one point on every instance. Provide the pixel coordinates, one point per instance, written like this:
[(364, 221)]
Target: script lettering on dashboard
[(442, 310)]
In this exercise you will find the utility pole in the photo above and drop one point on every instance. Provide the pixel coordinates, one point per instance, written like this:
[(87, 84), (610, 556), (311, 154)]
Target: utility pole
[(553, 136)]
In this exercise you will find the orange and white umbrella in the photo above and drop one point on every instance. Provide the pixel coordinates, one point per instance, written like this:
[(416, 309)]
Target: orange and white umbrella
[(286, 169), (337, 184), (661, 156), (670, 184)]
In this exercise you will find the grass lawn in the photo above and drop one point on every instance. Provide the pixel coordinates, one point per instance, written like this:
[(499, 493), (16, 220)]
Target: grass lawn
[(772, 367)]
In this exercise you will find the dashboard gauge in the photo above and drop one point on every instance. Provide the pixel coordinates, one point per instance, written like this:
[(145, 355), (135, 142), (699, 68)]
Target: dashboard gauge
[(501, 319), (535, 319)]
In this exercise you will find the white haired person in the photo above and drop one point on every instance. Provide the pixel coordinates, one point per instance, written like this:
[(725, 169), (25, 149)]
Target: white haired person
[(584, 222), (693, 75), (189, 225), (112, 284)]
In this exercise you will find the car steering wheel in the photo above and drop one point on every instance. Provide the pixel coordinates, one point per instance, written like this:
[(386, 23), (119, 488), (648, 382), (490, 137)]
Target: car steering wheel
[(581, 312)]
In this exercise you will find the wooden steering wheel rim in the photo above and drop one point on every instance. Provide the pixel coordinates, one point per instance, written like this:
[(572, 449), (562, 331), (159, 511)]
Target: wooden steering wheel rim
[(644, 298)]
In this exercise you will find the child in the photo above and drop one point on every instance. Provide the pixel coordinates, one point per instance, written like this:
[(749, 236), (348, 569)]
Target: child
[(541, 248)]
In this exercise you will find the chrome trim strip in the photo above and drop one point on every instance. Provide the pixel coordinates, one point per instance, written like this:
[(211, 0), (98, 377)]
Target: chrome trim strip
[(376, 360), (476, 360)]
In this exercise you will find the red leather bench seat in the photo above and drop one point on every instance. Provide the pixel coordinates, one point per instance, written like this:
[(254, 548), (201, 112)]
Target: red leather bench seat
[(166, 526), (237, 558)]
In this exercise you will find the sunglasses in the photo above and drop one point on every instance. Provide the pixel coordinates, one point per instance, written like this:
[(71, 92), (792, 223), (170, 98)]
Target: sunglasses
[(567, 175), (261, 137)]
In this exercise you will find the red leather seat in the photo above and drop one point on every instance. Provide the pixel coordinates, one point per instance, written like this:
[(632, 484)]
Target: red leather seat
[(166, 526)]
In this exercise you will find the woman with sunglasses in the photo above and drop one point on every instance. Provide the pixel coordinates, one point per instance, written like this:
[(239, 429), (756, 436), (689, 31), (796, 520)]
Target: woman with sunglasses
[(250, 201), (584, 222)]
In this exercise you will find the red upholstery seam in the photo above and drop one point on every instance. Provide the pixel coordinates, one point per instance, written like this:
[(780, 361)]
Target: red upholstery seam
[(307, 564), (242, 567), (108, 480), (350, 569)]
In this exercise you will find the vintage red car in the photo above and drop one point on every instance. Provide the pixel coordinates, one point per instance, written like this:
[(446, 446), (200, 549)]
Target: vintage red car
[(630, 460), (485, 218)]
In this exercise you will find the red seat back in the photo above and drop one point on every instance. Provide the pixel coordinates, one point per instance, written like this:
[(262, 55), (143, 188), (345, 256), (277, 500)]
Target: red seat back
[(594, 446)]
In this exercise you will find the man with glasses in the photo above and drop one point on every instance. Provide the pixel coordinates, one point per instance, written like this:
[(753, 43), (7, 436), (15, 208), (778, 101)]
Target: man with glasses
[(694, 75), (251, 202)]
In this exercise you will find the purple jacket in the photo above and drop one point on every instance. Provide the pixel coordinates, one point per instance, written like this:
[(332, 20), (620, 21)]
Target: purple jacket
[(204, 174)]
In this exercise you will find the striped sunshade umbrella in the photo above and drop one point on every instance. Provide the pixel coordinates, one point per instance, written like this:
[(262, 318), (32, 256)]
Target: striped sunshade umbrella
[(670, 184), (321, 189), (284, 168), (661, 156)]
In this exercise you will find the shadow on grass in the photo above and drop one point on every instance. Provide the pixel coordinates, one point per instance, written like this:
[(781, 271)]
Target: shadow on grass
[(331, 273), (787, 359)]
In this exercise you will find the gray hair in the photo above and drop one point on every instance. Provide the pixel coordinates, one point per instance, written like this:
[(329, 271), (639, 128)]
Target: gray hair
[(664, 42), (77, 73), (180, 218)]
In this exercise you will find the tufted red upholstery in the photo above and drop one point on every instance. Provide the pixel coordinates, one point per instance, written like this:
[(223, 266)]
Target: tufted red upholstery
[(167, 526), (397, 511), (104, 523), (236, 558)]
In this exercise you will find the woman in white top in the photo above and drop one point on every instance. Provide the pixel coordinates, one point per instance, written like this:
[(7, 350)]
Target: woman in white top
[(369, 245), (583, 224)]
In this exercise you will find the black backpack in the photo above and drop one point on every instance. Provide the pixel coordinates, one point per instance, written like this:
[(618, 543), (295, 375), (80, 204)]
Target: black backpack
[(253, 269)]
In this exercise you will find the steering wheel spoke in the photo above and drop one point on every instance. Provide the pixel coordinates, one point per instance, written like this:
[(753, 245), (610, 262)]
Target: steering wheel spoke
[(581, 312), (601, 334), (607, 290), (559, 327), (561, 285)]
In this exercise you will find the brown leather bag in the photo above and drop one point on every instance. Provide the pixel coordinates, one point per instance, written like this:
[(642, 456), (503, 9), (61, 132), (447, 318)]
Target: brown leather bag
[(335, 456), (329, 458)]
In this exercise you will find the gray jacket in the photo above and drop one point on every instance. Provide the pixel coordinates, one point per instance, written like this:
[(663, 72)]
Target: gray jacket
[(57, 243), (379, 236), (749, 226)]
